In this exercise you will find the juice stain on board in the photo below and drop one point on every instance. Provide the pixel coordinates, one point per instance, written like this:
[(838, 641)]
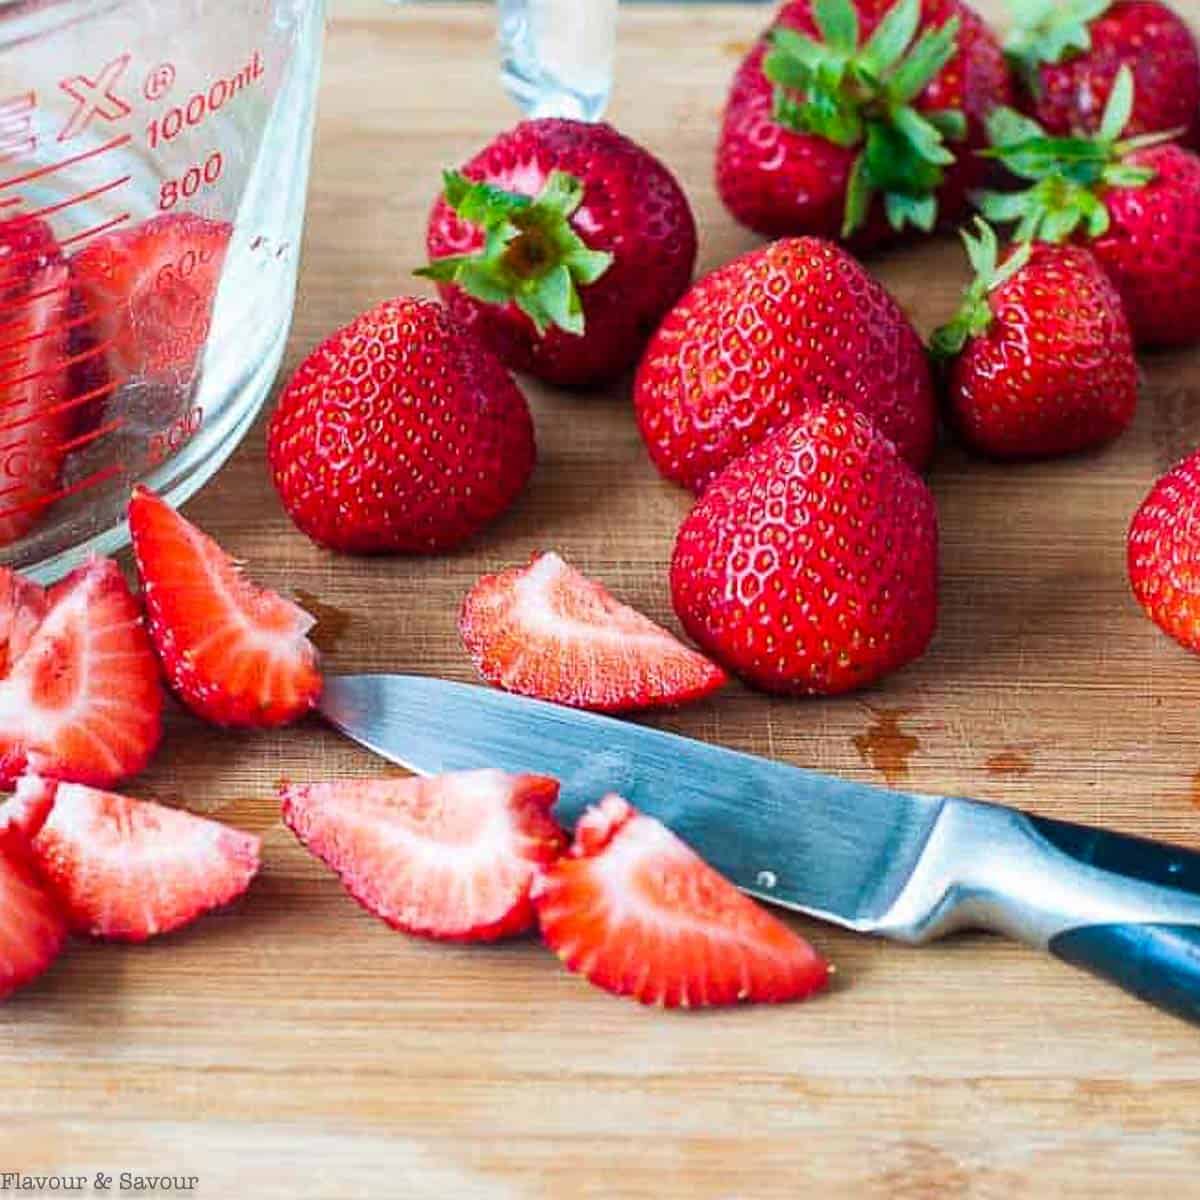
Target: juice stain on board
[(1007, 763), (885, 746), (332, 622)]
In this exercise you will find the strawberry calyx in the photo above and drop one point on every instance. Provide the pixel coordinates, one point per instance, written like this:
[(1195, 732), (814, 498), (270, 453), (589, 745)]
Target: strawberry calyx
[(531, 256), (975, 312), (855, 95), (1049, 31), (1069, 174)]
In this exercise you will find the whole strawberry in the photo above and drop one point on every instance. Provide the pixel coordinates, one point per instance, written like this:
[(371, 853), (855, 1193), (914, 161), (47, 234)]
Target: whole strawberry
[(771, 335), (1134, 202), (810, 565), (860, 119), (1040, 360), (1164, 553), (1067, 53), (400, 433), (561, 244)]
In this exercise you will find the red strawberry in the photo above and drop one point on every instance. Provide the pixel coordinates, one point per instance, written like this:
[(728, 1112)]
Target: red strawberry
[(860, 119), (636, 912), (37, 314), (589, 240), (23, 606), (80, 699), (149, 292), (235, 653), (546, 630), (32, 930), (400, 433), (1133, 203), (28, 807), (1164, 553), (1067, 55), (452, 857), (1041, 357), (809, 566), (126, 870), (771, 335)]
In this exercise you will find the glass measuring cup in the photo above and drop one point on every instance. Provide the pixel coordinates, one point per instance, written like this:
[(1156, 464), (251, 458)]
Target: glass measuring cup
[(154, 159)]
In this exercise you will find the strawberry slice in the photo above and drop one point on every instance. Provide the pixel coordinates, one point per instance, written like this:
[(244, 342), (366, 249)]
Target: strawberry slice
[(546, 630), (37, 314), (149, 293), (452, 857), (80, 699), (28, 807), (23, 606), (636, 912), (235, 653), (127, 870), (32, 929)]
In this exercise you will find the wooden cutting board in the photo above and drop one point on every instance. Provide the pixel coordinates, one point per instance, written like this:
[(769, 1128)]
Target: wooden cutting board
[(297, 1048)]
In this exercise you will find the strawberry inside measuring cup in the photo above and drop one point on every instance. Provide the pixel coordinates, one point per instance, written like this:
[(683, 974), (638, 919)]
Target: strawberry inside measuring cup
[(149, 293), (37, 314)]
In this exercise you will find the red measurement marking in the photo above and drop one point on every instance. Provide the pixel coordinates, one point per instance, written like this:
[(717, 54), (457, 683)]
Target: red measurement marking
[(95, 97), (90, 195), (87, 233), (66, 162), (159, 81), (52, 369), (17, 138), (27, 302), (10, 201), (97, 477), (91, 436), (61, 327)]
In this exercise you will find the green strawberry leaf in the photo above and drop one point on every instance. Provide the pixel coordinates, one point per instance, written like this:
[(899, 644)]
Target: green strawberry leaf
[(1119, 106), (934, 49), (891, 38), (859, 194), (903, 210), (531, 256), (838, 22), (949, 122), (1049, 31), (924, 137)]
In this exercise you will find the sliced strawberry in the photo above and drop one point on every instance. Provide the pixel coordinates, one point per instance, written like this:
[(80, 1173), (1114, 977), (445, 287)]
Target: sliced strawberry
[(636, 912), (32, 929), (37, 315), (28, 807), (451, 857), (546, 630), (149, 291), (23, 606), (82, 698), (127, 870), (235, 653)]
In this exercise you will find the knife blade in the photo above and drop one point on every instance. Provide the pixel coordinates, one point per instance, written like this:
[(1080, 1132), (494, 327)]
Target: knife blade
[(832, 848), (906, 866)]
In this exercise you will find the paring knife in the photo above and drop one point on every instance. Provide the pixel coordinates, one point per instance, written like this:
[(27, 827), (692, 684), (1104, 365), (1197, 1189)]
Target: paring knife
[(904, 866)]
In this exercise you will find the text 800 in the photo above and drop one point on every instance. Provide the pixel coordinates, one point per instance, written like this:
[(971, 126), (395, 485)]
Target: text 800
[(191, 181)]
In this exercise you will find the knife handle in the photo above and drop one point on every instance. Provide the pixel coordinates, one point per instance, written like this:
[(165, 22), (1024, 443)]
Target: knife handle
[(1157, 961), (1124, 908)]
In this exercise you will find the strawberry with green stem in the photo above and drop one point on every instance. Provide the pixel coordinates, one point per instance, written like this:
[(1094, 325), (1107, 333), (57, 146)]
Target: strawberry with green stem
[(856, 119), (1133, 201), (1039, 359), (1067, 54), (561, 244)]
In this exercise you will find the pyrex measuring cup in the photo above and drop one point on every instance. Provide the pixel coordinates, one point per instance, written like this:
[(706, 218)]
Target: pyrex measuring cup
[(153, 163)]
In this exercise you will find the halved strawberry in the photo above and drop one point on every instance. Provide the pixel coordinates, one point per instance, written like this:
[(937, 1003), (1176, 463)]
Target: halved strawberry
[(80, 697), (127, 870), (32, 929), (23, 606), (451, 857), (636, 912), (149, 291), (37, 315), (546, 630), (28, 807), (235, 653)]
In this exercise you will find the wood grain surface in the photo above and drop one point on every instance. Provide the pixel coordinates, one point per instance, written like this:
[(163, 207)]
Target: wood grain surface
[(296, 1048)]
